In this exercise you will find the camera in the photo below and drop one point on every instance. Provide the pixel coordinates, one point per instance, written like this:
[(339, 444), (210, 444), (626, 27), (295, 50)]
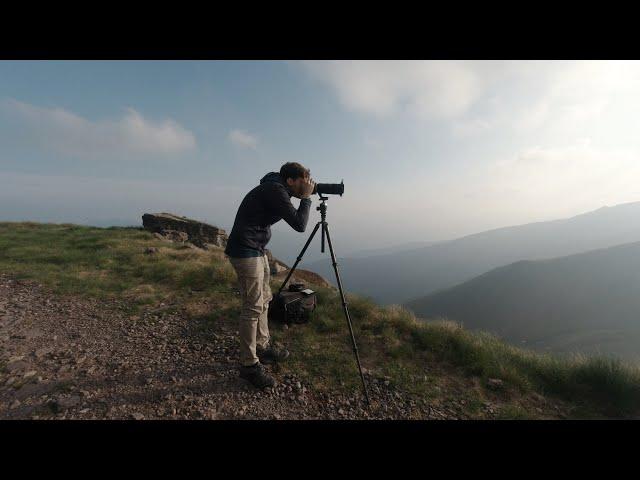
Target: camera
[(329, 188)]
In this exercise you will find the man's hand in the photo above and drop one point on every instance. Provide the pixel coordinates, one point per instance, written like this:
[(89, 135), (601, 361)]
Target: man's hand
[(307, 186)]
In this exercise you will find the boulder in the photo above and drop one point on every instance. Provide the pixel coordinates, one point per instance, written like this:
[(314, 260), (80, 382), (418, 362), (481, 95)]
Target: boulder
[(279, 271), (175, 236), (307, 277), (183, 229), (276, 265)]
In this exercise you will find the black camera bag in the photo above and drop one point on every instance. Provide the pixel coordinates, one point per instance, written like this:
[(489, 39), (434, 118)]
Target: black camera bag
[(295, 305)]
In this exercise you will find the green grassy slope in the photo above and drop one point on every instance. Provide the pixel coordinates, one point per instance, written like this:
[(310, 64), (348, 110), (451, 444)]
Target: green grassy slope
[(422, 358), (585, 302)]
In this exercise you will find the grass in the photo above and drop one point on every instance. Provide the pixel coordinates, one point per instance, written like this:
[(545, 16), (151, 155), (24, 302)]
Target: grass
[(111, 262), (606, 383), (398, 345), (514, 412)]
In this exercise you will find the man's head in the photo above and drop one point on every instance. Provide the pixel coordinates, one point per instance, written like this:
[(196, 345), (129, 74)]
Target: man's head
[(294, 174)]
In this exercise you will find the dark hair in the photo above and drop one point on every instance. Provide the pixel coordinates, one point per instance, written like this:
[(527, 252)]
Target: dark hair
[(293, 170)]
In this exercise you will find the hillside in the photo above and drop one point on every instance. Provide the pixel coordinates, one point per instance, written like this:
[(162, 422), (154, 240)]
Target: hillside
[(418, 272), (117, 323), (587, 302), (393, 249)]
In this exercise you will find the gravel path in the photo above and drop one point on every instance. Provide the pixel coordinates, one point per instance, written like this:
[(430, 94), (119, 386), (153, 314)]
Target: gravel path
[(68, 357)]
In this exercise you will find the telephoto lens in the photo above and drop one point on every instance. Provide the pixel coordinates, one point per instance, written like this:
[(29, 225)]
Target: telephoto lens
[(329, 188)]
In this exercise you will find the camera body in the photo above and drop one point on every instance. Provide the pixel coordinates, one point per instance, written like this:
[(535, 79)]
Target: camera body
[(329, 188)]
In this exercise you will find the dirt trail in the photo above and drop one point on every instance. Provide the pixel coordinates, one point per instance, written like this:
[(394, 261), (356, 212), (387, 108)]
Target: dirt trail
[(68, 357)]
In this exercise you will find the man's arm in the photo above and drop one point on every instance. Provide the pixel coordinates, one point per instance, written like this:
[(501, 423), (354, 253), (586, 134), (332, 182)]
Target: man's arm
[(279, 203)]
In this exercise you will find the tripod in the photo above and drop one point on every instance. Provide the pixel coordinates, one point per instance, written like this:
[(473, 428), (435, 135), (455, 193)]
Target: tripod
[(325, 230)]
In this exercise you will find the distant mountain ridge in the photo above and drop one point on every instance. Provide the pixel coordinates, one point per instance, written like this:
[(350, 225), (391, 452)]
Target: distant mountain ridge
[(403, 247), (587, 302), (402, 276)]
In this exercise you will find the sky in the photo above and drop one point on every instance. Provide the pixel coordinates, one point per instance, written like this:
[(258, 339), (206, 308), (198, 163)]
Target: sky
[(428, 150)]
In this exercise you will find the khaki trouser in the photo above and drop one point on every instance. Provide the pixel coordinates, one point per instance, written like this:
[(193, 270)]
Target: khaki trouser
[(255, 292)]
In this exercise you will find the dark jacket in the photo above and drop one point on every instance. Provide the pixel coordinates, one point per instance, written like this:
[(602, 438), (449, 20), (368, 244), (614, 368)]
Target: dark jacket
[(263, 206)]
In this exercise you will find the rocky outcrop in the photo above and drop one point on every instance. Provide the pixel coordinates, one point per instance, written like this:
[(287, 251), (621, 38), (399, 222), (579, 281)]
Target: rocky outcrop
[(172, 235), (183, 229), (303, 276), (276, 265), (279, 271)]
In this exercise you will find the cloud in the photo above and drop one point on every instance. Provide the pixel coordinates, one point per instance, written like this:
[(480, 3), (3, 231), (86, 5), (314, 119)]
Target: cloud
[(555, 97), (431, 89), (571, 94), (479, 98), (242, 139), (564, 179), (69, 133)]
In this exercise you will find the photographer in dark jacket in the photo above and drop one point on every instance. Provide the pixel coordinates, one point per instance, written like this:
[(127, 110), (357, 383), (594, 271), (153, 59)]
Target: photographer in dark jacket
[(263, 206)]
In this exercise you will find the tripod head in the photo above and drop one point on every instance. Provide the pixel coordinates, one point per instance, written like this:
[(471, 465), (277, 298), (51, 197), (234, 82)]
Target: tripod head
[(323, 216), (322, 207)]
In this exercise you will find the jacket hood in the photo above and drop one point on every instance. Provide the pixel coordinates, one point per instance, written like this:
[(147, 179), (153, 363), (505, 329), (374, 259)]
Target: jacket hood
[(272, 177), (275, 177)]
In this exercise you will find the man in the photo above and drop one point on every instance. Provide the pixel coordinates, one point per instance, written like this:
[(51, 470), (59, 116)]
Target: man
[(263, 206)]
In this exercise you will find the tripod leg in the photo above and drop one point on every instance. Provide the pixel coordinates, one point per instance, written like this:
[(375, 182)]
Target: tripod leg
[(304, 249), (325, 228)]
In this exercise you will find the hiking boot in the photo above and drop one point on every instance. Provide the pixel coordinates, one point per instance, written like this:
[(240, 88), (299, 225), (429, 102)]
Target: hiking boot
[(271, 354), (257, 376)]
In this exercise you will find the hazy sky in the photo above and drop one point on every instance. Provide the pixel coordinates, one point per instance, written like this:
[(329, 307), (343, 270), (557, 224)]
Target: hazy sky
[(428, 150)]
